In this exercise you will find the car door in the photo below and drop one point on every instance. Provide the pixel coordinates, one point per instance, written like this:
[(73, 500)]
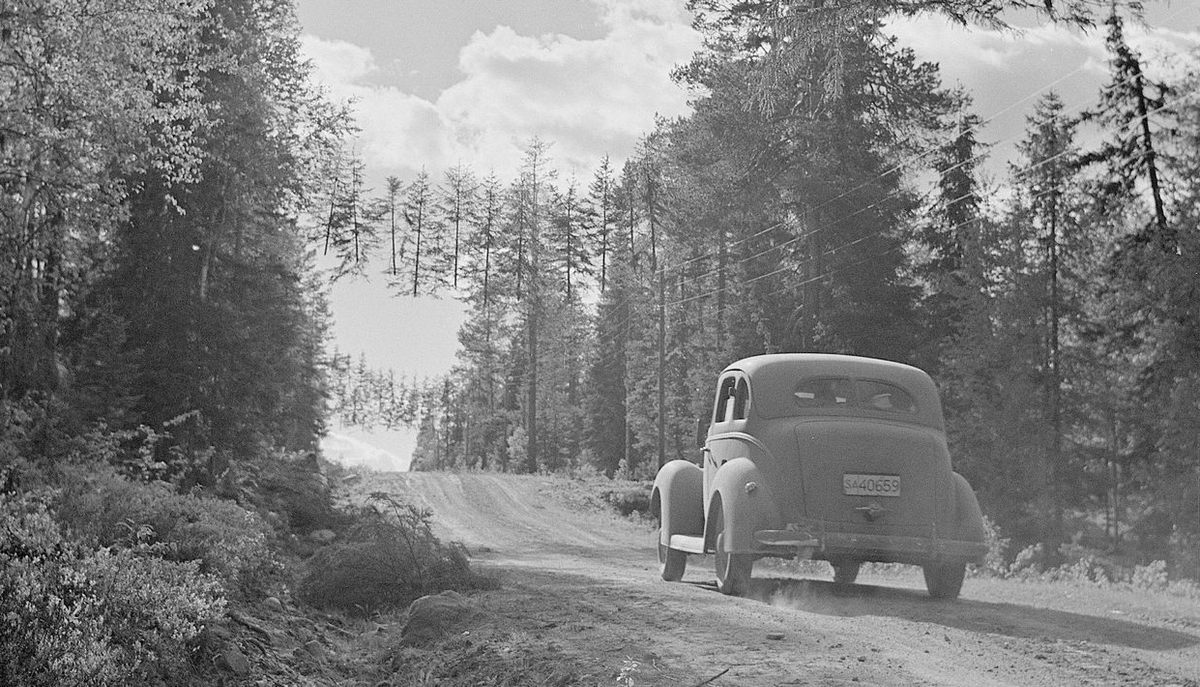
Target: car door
[(726, 435)]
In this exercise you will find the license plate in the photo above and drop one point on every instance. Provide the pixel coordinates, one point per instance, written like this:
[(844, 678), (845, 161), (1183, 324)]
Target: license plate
[(871, 485)]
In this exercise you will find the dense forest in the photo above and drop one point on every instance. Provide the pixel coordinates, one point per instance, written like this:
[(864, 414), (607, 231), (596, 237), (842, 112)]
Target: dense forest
[(828, 193), (170, 180), (162, 328)]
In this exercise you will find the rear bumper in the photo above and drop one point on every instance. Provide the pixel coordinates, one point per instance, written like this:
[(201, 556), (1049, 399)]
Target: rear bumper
[(867, 547)]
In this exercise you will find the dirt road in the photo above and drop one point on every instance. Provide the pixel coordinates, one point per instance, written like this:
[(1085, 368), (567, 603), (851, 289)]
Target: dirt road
[(584, 584)]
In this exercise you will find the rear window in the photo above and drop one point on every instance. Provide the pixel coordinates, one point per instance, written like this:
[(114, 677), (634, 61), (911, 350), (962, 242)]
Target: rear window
[(842, 392), (824, 393), (884, 396)]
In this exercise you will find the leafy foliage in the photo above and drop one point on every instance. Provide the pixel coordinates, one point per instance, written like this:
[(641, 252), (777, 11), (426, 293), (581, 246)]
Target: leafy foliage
[(222, 538), (75, 614)]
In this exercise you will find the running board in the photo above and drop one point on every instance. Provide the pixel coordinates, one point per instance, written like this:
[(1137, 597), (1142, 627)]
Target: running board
[(687, 543)]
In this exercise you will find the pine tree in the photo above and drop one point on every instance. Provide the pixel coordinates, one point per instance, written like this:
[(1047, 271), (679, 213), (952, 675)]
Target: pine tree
[(600, 215), (351, 228), (418, 205), (390, 203), (456, 204), (813, 39), (569, 248), (952, 221), (1127, 109)]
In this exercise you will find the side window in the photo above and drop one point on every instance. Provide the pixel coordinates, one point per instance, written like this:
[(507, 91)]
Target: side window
[(741, 400), (726, 395), (824, 392), (886, 397)]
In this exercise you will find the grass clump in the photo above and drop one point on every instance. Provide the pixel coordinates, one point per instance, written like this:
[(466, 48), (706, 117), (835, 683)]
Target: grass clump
[(388, 558)]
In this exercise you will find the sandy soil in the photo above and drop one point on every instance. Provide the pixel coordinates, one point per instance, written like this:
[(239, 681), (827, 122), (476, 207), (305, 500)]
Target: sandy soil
[(583, 585)]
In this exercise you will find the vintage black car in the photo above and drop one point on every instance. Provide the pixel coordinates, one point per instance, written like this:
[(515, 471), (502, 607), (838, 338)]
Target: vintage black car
[(833, 457)]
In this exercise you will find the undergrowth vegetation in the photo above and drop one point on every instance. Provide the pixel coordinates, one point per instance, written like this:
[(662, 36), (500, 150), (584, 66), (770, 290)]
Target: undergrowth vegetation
[(390, 557), (224, 539), (110, 575), (1081, 565), (74, 613)]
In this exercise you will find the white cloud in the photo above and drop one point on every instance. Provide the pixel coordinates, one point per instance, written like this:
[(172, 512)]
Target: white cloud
[(1036, 54), (337, 63), (587, 97), (1007, 71)]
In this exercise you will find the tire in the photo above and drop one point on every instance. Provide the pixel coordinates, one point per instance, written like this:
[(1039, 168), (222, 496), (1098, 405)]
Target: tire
[(944, 580), (671, 563), (733, 569), (845, 572)]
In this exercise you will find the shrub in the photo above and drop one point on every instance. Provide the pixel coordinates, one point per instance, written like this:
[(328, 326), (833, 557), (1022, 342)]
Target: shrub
[(1086, 569), (1151, 577), (287, 483), (390, 558), (225, 539), (995, 562), (629, 499), (77, 615), (1028, 561)]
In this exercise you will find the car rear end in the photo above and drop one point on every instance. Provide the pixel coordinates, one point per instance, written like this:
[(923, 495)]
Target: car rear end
[(860, 468), (874, 491)]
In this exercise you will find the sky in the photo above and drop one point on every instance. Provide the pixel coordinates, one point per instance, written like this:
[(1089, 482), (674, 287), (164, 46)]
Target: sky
[(436, 83)]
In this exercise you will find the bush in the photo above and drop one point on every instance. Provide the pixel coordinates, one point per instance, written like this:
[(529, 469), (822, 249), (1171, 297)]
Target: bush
[(1151, 577), (286, 483), (78, 615), (1088, 568), (225, 539), (995, 562), (629, 499), (390, 558)]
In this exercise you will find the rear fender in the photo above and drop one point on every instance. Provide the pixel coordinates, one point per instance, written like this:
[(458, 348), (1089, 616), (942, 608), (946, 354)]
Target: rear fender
[(678, 498), (968, 517), (746, 506)]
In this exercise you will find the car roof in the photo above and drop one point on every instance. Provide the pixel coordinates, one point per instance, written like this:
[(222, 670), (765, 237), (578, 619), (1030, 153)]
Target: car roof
[(773, 378)]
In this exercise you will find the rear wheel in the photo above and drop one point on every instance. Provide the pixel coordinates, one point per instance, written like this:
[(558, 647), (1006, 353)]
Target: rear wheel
[(671, 563), (845, 572), (733, 570), (944, 580)]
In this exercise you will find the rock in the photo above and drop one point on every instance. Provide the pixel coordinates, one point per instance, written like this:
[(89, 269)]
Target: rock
[(273, 604), (351, 478), (323, 536), (233, 660), (316, 648), (775, 635), (431, 617)]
